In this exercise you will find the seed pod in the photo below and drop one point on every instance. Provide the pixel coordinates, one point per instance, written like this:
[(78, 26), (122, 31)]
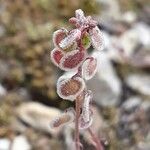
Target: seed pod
[(58, 36), (70, 88), (56, 56), (72, 60), (97, 38), (84, 125), (67, 117), (70, 39), (85, 108), (89, 68), (71, 47)]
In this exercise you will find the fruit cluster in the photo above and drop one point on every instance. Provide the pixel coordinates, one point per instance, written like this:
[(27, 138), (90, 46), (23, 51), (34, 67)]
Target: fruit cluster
[(70, 54)]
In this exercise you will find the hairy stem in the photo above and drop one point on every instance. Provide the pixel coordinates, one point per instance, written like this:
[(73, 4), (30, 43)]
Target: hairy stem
[(96, 140), (77, 134)]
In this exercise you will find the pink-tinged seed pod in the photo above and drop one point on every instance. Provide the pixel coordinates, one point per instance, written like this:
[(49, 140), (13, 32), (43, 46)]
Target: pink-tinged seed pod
[(84, 125), (89, 68), (72, 60), (85, 108), (97, 38), (70, 88), (70, 39), (56, 56), (71, 47), (58, 36), (67, 117)]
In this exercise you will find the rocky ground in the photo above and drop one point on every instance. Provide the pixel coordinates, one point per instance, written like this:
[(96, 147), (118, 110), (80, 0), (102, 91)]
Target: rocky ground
[(28, 99)]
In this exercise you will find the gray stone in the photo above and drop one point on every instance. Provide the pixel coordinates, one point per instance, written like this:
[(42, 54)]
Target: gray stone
[(106, 85), (38, 116), (131, 103), (2, 91), (5, 144), (20, 143), (139, 83)]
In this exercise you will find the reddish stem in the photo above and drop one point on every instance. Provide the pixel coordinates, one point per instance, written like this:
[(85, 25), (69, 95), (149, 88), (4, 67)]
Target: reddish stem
[(77, 138), (96, 140)]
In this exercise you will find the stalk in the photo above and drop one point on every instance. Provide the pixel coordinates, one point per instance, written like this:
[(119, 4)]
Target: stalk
[(96, 140), (77, 135)]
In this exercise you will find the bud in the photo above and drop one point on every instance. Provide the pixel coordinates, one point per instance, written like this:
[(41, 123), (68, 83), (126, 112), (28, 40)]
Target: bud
[(73, 20), (70, 88), (86, 40), (79, 15), (89, 68), (91, 22)]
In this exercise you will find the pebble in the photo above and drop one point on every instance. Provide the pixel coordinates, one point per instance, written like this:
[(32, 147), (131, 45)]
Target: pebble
[(4, 144), (20, 143), (38, 116), (2, 90), (106, 85), (139, 83)]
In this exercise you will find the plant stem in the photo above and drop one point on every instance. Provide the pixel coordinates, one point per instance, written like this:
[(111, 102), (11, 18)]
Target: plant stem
[(96, 140), (77, 138)]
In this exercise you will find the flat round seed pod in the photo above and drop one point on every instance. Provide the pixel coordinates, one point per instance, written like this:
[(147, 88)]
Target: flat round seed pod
[(56, 56), (70, 88), (72, 60)]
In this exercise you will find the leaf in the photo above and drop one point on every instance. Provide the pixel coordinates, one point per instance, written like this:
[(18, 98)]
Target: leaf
[(86, 40)]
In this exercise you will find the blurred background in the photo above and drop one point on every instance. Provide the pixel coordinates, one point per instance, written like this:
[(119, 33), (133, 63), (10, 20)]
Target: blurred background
[(28, 98)]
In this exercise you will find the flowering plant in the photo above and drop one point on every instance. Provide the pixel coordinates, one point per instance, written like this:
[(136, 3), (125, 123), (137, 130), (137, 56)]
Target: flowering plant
[(70, 53)]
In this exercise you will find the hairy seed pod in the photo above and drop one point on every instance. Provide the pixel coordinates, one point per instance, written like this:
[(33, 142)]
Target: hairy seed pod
[(89, 68), (67, 117), (56, 56), (97, 38), (58, 36), (72, 47), (70, 39), (72, 60), (70, 88), (86, 106), (84, 125)]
